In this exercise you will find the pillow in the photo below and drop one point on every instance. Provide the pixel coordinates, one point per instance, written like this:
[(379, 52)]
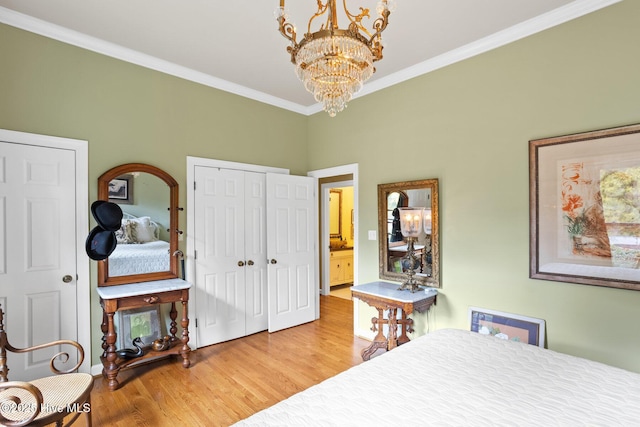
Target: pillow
[(137, 230)]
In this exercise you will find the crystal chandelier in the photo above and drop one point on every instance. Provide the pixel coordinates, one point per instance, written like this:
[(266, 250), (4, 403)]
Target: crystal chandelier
[(332, 63)]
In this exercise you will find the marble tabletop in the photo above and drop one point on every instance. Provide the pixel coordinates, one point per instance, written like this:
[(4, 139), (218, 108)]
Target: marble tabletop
[(390, 290), (142, 288)]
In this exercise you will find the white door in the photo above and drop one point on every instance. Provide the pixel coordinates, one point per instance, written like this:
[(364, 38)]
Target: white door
[(255, 252), (219, 246), (37, 253), (292, 230)]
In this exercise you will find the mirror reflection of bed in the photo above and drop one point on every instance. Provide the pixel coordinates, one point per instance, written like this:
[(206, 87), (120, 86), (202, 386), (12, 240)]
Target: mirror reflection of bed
[(140, 248), (148, 197)]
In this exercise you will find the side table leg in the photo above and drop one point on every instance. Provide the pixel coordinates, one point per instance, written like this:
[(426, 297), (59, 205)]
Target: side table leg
[(104, 327), (173, 315), (393, 329), (111, 368), (406, 325), (380, 341), (185, 336)]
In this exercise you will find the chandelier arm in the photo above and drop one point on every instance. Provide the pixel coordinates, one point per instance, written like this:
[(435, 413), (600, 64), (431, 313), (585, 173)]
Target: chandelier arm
[(357, 19), (322, 9), (379, 25), (287, 30)]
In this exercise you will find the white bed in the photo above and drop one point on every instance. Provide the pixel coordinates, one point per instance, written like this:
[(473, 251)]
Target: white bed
[(139, 249), (459, 378)]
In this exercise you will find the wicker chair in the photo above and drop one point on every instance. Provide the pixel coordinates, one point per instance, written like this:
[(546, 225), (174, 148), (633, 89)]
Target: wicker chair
[(45, 400)]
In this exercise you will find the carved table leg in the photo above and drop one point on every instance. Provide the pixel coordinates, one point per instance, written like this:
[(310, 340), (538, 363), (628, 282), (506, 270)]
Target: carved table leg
[(104, 327), (185, 336), (111, 369), (392, 340), (173, 326), (380, 341), (406, 325)]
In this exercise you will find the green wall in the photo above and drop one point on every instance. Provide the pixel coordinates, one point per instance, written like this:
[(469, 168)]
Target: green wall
[(469, 125), (133, 114)]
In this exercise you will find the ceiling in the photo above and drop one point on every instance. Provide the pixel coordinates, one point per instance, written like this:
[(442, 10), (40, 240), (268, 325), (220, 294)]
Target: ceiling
[(234, 45)]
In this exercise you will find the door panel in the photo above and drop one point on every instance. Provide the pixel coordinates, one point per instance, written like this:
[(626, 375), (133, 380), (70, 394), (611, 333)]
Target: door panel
[(219, 236), (38, 242), (292, 231), (255, 253)]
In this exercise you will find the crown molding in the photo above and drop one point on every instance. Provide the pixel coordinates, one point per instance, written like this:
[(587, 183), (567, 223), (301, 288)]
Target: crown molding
[(524, 29), (75, 38), (550, 19)]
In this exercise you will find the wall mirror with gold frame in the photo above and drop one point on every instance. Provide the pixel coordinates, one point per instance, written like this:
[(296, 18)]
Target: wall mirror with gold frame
[(392, 244), (148, 238)]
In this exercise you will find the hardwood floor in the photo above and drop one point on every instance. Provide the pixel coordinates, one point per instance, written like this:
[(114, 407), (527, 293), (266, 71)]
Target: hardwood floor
[(229, 381)]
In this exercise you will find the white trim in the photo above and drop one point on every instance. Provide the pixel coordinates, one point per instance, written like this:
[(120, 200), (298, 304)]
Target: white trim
[(189, 255), (84, 41), (83, 284), (524, 29), (545, 21), (337, 171)]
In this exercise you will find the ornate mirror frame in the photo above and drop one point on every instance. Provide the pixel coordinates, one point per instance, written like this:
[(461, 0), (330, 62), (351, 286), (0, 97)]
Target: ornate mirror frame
[(103, 194), (384, 190)]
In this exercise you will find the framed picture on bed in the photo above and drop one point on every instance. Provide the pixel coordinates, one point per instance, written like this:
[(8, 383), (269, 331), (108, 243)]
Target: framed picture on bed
[(507, 326), (121, 189), (139, 322), (585, 209)]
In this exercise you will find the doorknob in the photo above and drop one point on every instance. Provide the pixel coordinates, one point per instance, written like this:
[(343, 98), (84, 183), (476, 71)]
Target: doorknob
[(274, 261), (67, 279), (240, 263), (249, 262)]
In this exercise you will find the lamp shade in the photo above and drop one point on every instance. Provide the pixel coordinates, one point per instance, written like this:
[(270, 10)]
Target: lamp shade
[(426, 216), (410, 221)]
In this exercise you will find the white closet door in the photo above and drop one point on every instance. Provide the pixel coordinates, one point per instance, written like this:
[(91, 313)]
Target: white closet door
[(219, 244), (292, 231), (255, 252)]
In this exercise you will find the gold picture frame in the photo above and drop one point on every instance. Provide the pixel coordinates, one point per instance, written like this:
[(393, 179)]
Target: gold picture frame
[(585, 208)]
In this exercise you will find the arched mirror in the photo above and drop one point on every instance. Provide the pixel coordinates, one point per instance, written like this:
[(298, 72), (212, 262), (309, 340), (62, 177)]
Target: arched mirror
[(148, 238), (393, 245)]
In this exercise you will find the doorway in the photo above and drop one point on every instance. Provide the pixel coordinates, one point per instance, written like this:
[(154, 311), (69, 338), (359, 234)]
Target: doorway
[(340, 235), (336, 177)]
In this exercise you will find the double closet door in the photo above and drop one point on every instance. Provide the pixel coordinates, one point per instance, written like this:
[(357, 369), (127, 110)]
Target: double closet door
[(255, 237)]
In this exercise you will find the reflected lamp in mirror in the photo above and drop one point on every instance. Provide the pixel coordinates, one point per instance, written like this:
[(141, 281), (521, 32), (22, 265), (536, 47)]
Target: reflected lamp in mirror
[(426, 217), (411, 225)]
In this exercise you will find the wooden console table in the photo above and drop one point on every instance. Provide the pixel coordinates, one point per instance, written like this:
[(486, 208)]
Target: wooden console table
[(136, 295), (386, 296)]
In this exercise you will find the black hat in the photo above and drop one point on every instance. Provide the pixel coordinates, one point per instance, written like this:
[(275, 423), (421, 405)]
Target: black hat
[(100, 243), (108, 215)]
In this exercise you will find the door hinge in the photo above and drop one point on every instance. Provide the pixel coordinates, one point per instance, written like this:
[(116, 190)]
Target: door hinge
[(196, 322), (194, 185), (195, 254)]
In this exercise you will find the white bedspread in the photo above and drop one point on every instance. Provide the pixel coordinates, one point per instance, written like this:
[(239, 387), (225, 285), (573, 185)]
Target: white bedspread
[(459, 378), (139, 258)]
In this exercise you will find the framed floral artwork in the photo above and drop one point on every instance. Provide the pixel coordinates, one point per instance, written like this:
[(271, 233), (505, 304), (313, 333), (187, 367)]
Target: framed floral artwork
[(585, 208)]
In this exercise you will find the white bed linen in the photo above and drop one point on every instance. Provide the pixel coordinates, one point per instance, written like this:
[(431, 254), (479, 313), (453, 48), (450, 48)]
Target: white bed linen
[(139, 258), (459, 378)]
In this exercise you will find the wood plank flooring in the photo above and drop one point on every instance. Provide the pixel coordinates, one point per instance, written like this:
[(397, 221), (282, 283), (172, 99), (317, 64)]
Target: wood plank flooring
[(229, 381)]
